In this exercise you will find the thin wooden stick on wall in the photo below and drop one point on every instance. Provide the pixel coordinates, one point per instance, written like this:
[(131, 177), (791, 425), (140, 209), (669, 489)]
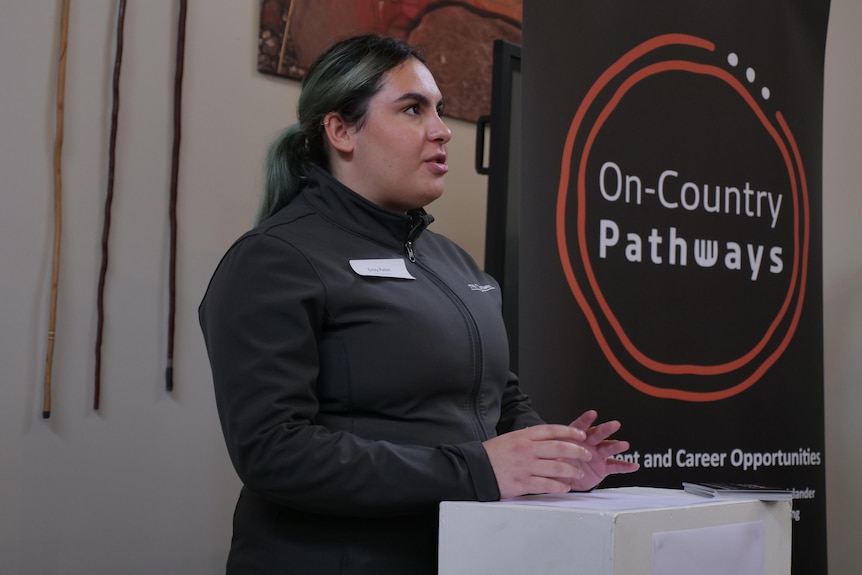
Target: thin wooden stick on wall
[(109, 199), (58, 210), (175, 167)]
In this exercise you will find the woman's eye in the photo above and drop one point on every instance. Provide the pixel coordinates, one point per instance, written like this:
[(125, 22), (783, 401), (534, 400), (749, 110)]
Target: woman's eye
[(413, 110)]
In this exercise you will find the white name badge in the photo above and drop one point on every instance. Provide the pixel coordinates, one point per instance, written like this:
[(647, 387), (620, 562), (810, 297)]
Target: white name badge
[(394, 268)]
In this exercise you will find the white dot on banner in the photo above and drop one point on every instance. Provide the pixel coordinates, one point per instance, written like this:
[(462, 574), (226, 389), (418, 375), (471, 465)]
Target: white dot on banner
[(750, 74)]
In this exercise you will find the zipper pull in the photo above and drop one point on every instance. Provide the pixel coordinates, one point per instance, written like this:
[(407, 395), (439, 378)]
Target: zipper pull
[(410, 256)]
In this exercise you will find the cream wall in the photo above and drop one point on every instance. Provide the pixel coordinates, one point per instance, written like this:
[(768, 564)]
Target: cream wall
[(145, 486), (842, 284)]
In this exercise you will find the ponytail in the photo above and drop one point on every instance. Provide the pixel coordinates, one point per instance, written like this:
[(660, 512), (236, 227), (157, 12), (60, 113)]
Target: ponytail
[(283, 173)]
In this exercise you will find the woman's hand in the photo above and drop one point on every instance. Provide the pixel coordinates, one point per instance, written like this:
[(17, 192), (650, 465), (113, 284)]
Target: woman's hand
[(557, 458), (541, 459), (602, 450)]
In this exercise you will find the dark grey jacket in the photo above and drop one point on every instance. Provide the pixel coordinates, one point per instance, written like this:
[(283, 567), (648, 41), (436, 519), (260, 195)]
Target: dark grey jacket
[(353, 402)]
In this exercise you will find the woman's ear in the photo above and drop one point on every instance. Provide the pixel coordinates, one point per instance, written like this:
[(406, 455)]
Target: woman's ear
[(339, 133)]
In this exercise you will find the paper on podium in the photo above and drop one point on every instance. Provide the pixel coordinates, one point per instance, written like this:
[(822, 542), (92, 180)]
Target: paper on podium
[(735, 549)]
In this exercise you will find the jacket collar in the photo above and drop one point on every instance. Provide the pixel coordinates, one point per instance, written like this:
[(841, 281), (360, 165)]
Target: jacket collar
[(345, 208)]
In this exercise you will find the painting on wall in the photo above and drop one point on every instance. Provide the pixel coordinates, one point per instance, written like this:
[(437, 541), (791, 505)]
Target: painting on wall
[(456, 37)]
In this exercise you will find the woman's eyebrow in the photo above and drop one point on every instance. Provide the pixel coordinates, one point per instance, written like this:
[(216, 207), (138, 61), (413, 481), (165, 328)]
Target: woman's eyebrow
[(417, 97)]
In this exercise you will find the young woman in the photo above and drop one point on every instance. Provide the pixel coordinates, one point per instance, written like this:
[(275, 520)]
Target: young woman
[(360, 359)]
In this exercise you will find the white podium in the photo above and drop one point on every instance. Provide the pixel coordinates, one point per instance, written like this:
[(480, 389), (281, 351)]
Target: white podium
[(624, 531)]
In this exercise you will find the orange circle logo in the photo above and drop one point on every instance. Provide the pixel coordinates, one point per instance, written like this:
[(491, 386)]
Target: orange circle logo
[(678, 377)]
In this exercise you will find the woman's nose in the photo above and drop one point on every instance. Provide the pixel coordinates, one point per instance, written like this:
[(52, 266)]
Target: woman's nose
[(439, 131)]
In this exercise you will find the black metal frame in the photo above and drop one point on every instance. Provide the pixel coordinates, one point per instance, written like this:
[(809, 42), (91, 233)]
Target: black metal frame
[(504, 171)]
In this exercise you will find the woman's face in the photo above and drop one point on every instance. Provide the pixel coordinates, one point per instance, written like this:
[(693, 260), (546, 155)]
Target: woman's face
[(398, 157)]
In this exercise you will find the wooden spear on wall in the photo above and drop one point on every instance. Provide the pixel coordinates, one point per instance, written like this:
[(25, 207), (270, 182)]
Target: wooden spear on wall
[(178, 85), (109, 198), (58, 209)]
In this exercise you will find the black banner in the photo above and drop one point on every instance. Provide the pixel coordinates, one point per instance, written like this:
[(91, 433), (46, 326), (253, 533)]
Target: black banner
[(670, 248)]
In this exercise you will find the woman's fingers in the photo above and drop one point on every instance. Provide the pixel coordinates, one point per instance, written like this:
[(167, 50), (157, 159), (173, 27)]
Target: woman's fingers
[(553, 431), (554, 449), (540, 459), (585, 420)]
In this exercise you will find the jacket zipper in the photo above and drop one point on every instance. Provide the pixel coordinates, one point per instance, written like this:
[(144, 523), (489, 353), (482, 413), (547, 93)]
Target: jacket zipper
[(416, 227), (473, 330)]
